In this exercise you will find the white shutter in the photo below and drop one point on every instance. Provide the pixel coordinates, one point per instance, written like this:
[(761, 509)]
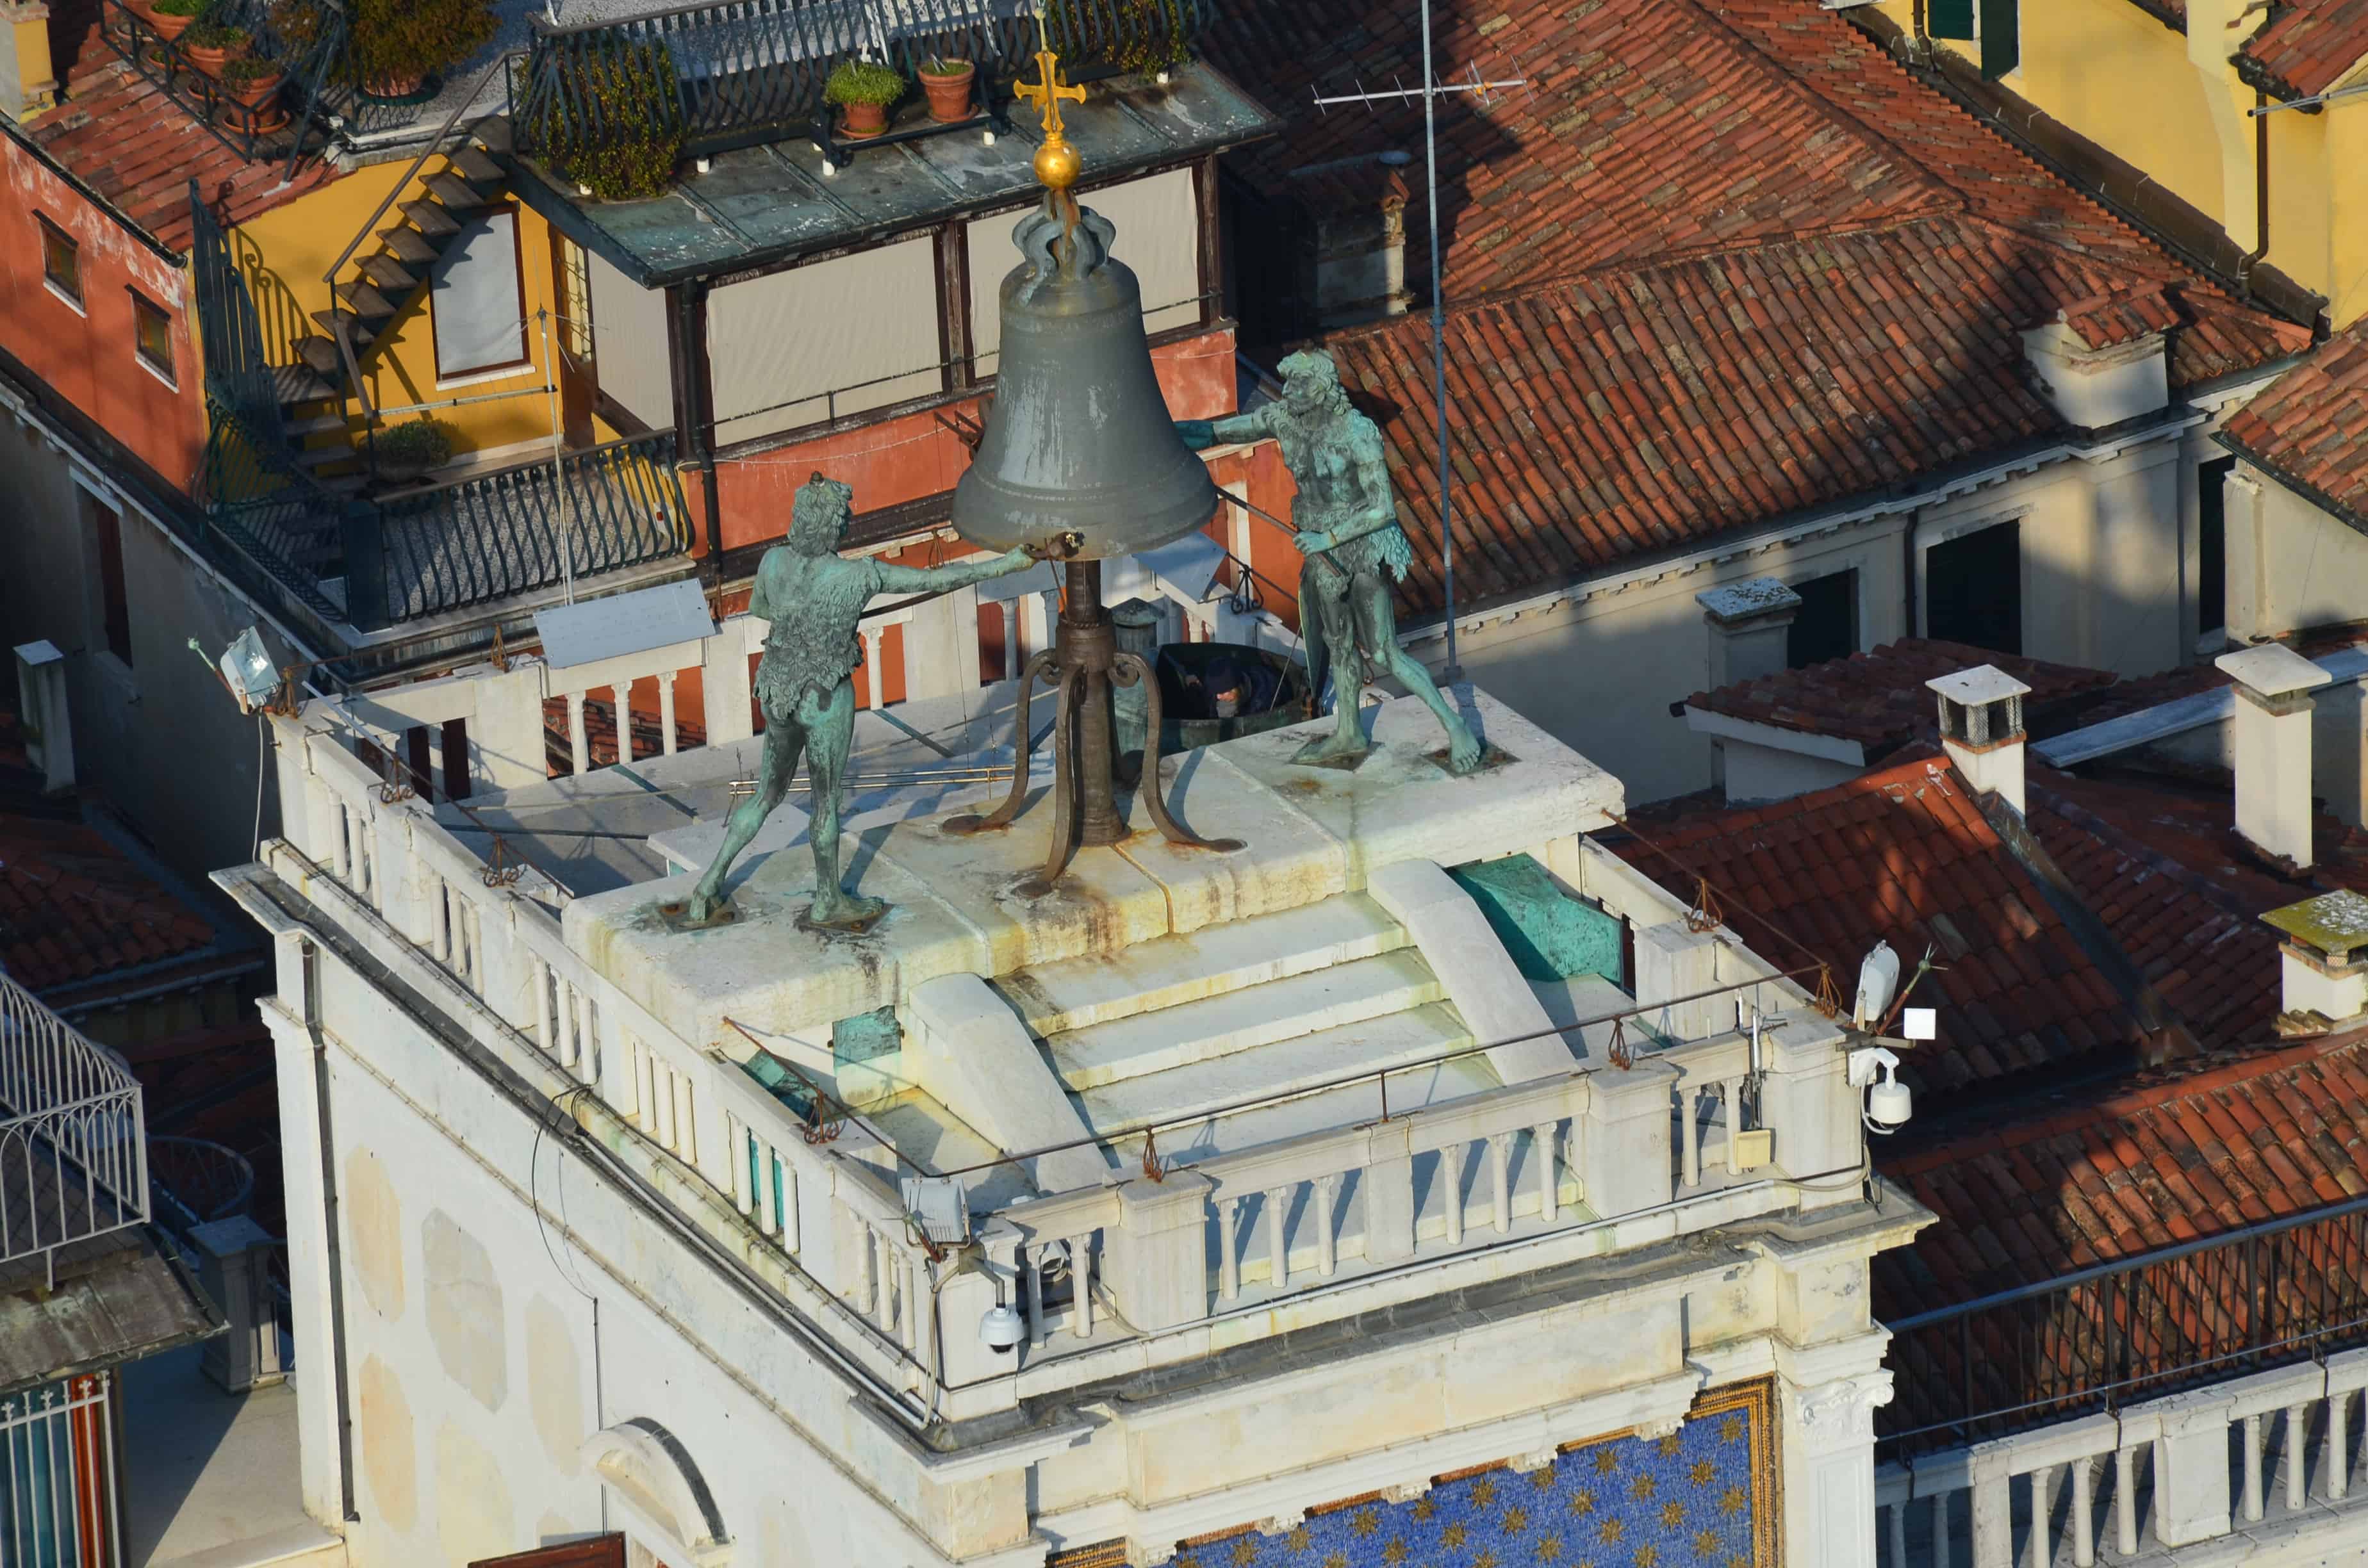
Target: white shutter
[(475, 300)]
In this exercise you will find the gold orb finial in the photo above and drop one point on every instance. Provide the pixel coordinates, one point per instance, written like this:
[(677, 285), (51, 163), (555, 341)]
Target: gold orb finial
[(1057, 164)]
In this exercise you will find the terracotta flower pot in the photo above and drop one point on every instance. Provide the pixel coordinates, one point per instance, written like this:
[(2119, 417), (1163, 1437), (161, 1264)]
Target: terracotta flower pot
[(258, 91), (169, 27), (863, 121), (258, 101), (211, 61), (395, 86), (949, 93)]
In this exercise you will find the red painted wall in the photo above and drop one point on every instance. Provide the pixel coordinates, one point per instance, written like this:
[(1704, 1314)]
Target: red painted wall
[(88, 355), (914, 455)]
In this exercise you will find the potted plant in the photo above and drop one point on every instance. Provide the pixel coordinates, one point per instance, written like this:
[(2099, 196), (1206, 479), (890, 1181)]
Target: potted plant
[(626, 139), (210, 44), (864, 88), (254, 84), (173, 17), (947, 83), (398, 45), (406, 451)]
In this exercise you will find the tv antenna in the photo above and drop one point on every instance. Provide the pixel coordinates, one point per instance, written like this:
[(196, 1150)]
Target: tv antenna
[(1431, 92)]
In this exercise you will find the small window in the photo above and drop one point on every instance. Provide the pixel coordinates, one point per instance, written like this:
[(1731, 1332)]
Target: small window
[(60, 260), (104, 526), (151, 327), (2212, 544), (1825, 626), (1973, 589), (1994, 25)]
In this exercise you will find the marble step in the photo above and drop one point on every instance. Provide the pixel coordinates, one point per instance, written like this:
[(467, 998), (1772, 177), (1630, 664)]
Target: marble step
[(1079, 993), (1310, 1002), (1291, 1067)]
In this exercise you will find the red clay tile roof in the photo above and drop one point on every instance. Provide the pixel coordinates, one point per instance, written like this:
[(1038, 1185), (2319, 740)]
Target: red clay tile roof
[(2191, 1151), (2306, 48), (1904, 854), (601, 735), (123, 138), (1878, 698), (73, 906), (2309, 428), (1709, 270)]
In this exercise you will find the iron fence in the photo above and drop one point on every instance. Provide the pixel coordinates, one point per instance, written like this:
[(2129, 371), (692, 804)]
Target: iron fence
[(281, 123), (73, 1153), (521, 528), (751, 71), (58, 1504), (2105, 1337)]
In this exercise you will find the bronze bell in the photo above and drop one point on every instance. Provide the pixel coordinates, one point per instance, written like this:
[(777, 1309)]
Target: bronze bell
[(1079, 439), (1079, 448)]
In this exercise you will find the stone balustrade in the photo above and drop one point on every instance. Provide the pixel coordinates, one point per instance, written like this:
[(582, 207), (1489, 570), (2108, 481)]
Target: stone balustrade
[(1195, 1251), (2263, 1463)]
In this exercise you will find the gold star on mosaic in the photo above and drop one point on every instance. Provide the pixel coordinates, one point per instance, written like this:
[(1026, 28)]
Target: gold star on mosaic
[(1483, 1492), (1606, 1459), (1736, 1560), (1648, 1556), (1424, 1506), (1452, 1536), (1487, 1559), (1613, 1529), (1672, 1514), (1543, 1478), (1516, 1521), (1336, 1559), (1702, 1472), (1705, 1543), (1582, 1502), (1671, 1445), (1395, 1552), (1549, 1548), (1298, 1540), (1731, 1429), (1732, 1501), (1643, 1487), (1365, 1521), (1244, 1551), (1186, 1560)]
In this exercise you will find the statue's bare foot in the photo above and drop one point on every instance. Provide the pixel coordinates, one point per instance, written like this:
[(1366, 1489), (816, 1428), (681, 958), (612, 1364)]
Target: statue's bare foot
[(1340, 745), (1464, 749), (704, 903), (848, 912)]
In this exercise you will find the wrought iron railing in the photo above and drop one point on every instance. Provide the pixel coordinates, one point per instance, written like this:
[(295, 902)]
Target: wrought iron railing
[(292, 120), (532, 527), (752, 70), (74, 1150), (2110, 1335)]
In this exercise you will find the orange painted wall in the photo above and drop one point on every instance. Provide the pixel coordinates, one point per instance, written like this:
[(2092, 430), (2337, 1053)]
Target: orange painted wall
[(87, 354), (914, 455)]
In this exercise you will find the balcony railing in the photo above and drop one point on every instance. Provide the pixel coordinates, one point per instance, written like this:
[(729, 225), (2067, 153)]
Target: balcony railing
[(285, 124), (2101, 1339), (58, 1502), (752, 70), (74, 1152)]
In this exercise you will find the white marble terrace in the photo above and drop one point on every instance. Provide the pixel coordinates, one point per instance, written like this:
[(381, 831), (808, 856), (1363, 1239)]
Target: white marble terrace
[(1250, 1012)]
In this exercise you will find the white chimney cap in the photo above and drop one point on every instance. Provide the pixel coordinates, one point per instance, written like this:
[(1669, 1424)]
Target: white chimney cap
[(1977, 687), (1754, 595), (2273, 669)]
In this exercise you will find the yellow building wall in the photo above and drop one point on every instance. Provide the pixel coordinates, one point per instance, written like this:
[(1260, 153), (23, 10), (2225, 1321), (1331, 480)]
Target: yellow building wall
[(285, 251), (2122, 80), (2344, 129), (2302, 198)]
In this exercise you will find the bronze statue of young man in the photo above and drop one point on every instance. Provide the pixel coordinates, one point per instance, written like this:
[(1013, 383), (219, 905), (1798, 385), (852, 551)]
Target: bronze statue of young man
[(805, 683), (1347, 529)]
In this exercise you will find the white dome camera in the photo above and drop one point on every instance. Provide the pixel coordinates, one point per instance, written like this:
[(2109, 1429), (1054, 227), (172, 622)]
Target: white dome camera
[(1002, 1329), (1888, 1102)]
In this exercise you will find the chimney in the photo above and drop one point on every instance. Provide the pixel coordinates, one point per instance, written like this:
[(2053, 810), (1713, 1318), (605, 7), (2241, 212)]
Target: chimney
[(1748, 622), (2322, 980), (28, 81), (1981, 728), (2273, 736), (41, 709)]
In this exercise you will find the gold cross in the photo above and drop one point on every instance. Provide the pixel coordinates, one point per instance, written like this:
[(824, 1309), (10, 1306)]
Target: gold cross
[(1056, 162)]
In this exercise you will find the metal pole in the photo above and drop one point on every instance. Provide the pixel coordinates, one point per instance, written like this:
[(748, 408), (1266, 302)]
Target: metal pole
[(558, 475), (1438, 344)]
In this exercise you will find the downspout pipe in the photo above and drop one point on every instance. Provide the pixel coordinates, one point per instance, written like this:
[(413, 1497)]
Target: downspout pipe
[(2260, 191)]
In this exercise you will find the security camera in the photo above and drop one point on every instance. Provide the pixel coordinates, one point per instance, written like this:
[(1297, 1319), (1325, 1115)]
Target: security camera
[(1888, 1102), (1002, 1329)]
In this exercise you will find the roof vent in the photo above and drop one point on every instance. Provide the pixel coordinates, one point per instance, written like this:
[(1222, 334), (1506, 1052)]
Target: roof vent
[(2272, 734), (2323, 963)]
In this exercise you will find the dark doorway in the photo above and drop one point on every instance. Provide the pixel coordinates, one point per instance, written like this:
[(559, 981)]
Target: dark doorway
[(1973, 589), (1827, 626), (2212, 544)]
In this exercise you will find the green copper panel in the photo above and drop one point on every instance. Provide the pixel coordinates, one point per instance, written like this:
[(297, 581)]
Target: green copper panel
[(1550, 935)]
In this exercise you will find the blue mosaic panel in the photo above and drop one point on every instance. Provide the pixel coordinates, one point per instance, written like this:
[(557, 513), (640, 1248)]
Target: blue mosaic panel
[(1700, 1497)]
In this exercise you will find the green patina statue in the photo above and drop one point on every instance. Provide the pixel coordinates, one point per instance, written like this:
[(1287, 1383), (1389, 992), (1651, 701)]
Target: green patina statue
[(1347, 524), (805, 683)]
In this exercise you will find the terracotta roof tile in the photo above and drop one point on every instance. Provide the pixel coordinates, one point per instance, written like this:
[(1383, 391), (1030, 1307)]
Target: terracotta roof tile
[(2304, 429), (121, 135), (2307, 47), (1878, 698)]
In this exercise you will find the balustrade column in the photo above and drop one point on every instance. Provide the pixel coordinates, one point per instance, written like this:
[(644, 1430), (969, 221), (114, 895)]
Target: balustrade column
[(2084, 1519), (1081, 1285), (1940, 1530), (1229, 1264), (2042, 1541), (876, 681), (1278, 1234), (1544, 1136), (2126, 1501), (2337, 1465), (1730, 1095), (1500, 1180), (1690, 1134), (2253, 1445), (1327, 1187), (667, 743), (579, 750), (1898, 1512), (2297, 1454)]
